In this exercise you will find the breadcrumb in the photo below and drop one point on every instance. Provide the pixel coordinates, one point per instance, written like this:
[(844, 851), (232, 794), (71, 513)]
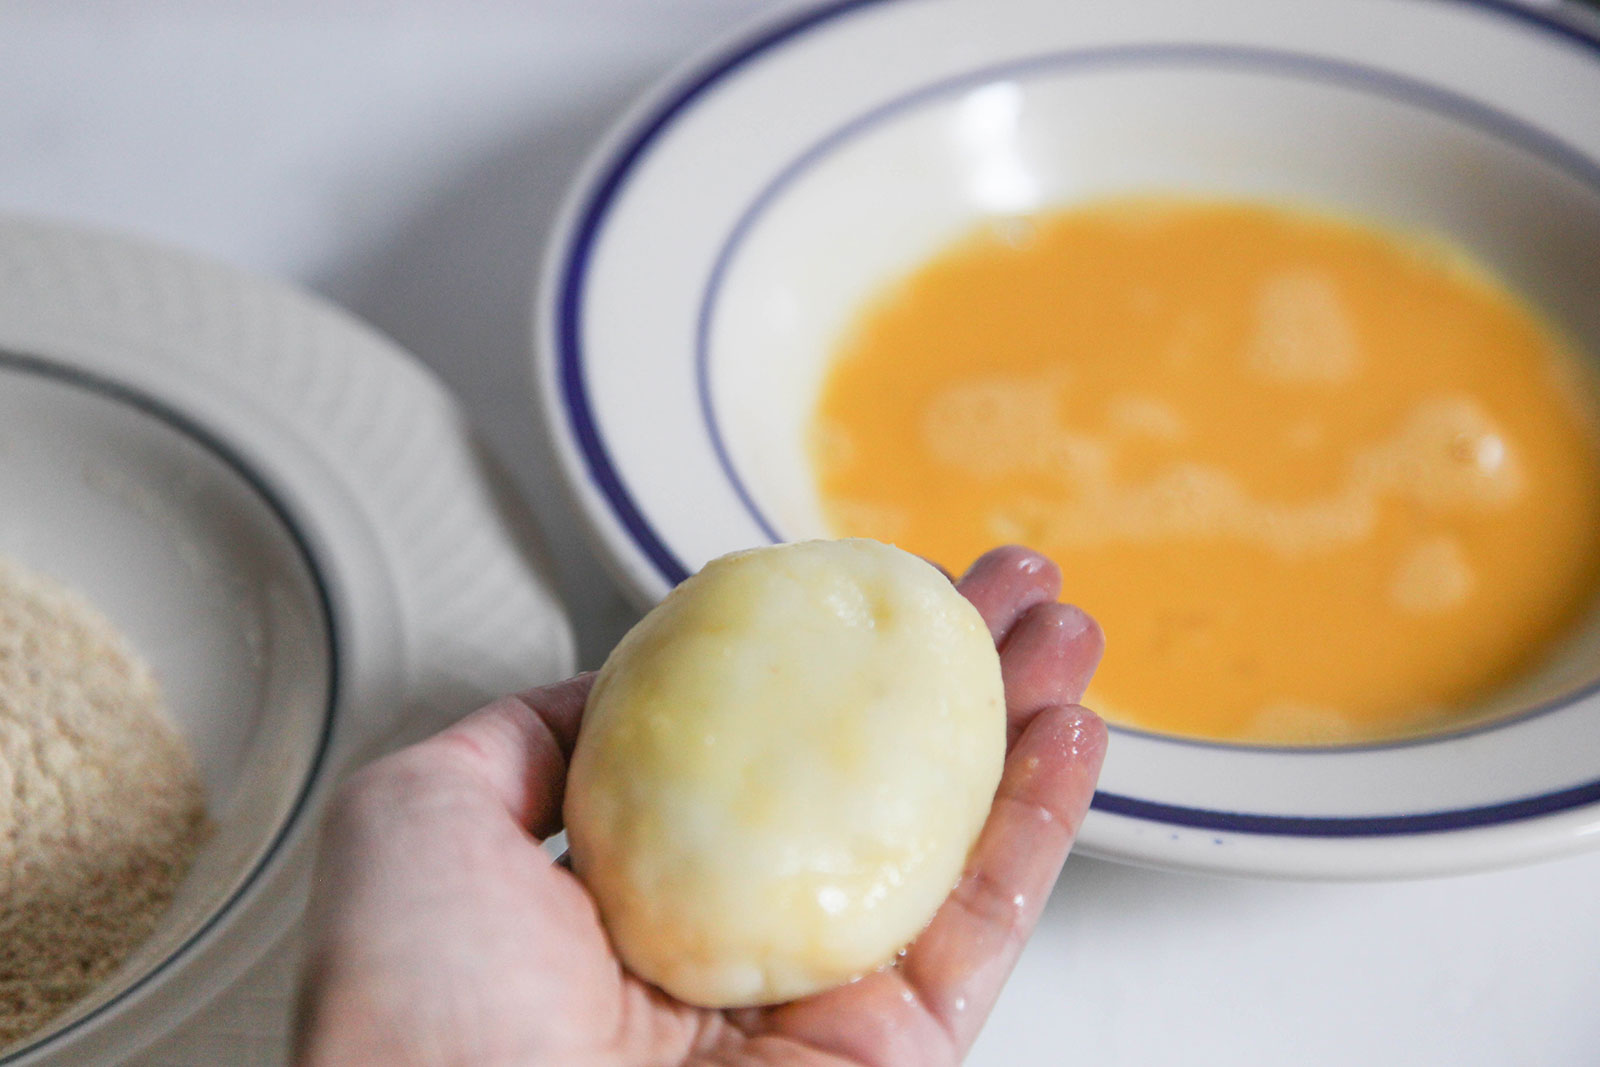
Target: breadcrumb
[(101, 805)]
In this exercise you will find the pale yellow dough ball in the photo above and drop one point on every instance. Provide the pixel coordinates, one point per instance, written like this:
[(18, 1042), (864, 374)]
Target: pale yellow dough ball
[(782, 769)]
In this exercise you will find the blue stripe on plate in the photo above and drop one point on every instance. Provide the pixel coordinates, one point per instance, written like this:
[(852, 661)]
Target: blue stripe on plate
[(1346, 826)]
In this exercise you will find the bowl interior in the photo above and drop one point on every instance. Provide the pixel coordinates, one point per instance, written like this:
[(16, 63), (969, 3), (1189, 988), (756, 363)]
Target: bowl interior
[(884, 192), (184, 549)]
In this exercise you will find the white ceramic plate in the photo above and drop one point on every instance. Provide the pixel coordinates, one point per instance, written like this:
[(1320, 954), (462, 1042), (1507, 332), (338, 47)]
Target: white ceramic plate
[(723, 237), (290, 521)]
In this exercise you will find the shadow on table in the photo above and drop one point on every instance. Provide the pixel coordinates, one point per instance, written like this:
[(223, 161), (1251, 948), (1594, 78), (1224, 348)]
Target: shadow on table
[(1097, 891)]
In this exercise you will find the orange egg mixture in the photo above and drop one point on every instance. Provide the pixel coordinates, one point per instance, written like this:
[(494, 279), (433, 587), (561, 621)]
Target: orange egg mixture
[(1318, 482)]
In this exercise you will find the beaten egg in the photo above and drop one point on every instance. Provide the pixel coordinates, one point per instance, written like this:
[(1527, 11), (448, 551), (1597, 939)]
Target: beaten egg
[(1320, 482)]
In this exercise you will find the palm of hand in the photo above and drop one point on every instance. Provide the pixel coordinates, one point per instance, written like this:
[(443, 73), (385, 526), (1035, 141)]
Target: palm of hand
[(442, 935)]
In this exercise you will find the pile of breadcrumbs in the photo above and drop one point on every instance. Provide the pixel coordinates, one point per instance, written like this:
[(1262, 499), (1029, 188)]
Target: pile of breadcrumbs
[(101, 809)]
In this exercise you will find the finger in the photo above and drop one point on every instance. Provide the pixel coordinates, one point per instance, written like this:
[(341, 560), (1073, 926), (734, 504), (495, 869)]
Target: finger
[(518, 748), (1005, 582), (929, 1009), (1047, 660), (958, 965)]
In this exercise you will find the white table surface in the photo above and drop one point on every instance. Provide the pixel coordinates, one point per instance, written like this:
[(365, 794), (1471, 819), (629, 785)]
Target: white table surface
[(404, 159)]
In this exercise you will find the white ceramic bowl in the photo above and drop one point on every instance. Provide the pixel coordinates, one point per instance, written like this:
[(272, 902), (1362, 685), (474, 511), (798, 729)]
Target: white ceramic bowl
[(189, 551), (291, 523), (721, 240)]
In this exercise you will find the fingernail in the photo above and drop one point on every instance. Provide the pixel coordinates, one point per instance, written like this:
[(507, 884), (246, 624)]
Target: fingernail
[(1073, 621)]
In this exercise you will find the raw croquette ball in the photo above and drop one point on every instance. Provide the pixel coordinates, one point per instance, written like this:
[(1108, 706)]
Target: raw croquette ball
[(782, 769)]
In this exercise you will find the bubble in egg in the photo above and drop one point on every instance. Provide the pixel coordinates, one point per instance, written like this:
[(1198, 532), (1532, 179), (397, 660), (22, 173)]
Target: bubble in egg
[(782, 769)]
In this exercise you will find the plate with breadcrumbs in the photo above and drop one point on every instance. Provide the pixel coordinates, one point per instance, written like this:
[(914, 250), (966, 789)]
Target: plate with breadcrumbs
[(244, 541)]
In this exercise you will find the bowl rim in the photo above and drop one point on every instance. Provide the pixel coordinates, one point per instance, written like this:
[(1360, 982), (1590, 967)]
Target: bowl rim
[(297, 532), (644, 562)]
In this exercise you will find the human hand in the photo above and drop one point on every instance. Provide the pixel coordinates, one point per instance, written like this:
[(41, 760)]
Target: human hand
[(440, 933)]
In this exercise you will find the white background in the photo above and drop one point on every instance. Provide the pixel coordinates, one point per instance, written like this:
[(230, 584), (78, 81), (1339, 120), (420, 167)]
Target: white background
[(404, 160)]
